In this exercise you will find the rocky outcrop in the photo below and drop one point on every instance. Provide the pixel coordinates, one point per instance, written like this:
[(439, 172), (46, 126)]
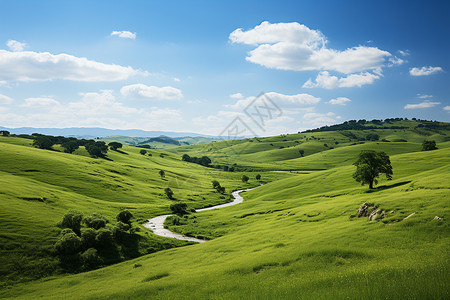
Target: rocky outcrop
[(374, 214), (364, 210)]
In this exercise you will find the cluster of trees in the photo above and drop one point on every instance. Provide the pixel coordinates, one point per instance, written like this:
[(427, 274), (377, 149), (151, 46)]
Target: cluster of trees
[(4, 132), (88, 246), (70, 144), (359, 125), (204, 160)]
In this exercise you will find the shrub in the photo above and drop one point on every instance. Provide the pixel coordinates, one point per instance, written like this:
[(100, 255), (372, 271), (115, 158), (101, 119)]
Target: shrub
[(104, 238), (169, 193), (68, 243), (72, 220), (88, 238), (124, 216), (123, 226), (162, 173), (90, 258), (429, 145), (143, 152), (372, 137), (115, 145), (95, 221), (179, 208), (258, 177), (245, 178)]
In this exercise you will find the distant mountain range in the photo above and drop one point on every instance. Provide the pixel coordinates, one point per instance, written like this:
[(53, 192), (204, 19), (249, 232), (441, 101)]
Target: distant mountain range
[(85, 132)]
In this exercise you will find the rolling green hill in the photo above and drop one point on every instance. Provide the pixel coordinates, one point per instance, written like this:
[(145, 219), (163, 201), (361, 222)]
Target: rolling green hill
[(296, 237)]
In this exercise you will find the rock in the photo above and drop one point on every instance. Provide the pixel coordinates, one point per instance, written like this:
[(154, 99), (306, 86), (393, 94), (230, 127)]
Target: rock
[(409, 216), (437, 218), (363, 210), (373, 215)]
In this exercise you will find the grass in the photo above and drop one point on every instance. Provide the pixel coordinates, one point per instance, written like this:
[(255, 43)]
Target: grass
[(296, 237)]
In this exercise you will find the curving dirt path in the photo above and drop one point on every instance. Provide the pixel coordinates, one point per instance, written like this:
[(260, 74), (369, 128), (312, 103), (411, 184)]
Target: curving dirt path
[(157, 223)]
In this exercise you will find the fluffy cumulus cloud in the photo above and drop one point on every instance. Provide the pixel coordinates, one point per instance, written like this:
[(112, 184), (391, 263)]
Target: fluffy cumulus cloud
[(293, 46), (40, 102), (424, 71), (124, 34), (43, 66), (327, 81), (447, 108), (424, 104), (5, 99), (93, 109), (15, 45), (339, 101), (151, 92), (236, 96)]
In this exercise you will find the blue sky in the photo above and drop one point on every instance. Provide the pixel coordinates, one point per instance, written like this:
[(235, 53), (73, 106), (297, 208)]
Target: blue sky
[(195, 65)]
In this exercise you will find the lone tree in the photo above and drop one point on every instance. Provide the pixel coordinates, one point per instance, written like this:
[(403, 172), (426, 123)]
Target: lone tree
[(302, 152), (258, 177), (428, 145), (369, 166), (115, 145), (143, 152), (169, 193), (162, 173), (245, 178)]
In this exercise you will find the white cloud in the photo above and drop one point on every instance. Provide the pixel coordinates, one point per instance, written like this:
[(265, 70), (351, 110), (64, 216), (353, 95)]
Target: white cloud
[(327, 81), (151, 92), (447, 108), (34, 66), (176, 79), (339, 101), (421, 96), (5, 99), (293, 46), (404, 52), (124, 34), (236, 96), (396, 61), (424, 104), (424, 71), (40, 102), (15, 45)]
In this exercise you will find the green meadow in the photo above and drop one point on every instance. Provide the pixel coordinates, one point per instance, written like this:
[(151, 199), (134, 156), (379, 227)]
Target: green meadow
[(297, 236)]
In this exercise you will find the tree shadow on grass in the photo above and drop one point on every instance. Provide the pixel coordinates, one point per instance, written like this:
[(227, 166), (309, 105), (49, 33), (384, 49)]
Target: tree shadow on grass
[(121, 152), (385, 187)]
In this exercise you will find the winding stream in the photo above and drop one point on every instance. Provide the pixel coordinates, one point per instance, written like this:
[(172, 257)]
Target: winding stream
[(156, 224)]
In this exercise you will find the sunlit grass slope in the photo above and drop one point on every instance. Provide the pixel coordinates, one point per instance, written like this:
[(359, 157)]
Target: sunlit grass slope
[(283, 152), (37, 187), (298, 238)]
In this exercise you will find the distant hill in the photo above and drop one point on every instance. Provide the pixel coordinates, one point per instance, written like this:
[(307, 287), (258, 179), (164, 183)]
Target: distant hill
[(86, 132)]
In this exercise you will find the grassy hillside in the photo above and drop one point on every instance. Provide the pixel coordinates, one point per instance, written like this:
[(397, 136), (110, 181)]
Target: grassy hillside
[(296, 237), (39, 186), (283, 152), (299, 238)]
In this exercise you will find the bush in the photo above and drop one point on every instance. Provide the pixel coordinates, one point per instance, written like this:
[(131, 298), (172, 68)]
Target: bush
[(70, 146), (429, 145), (88, 238), (179, 208), (104, 238), (90, 258), (95, 221), (115, 145), (143, 152), (169, 193), (123, 226), (72, 220), (43, 142), (68, 243), (124, 216), (372, 137), (258, 177), (245, 178)]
